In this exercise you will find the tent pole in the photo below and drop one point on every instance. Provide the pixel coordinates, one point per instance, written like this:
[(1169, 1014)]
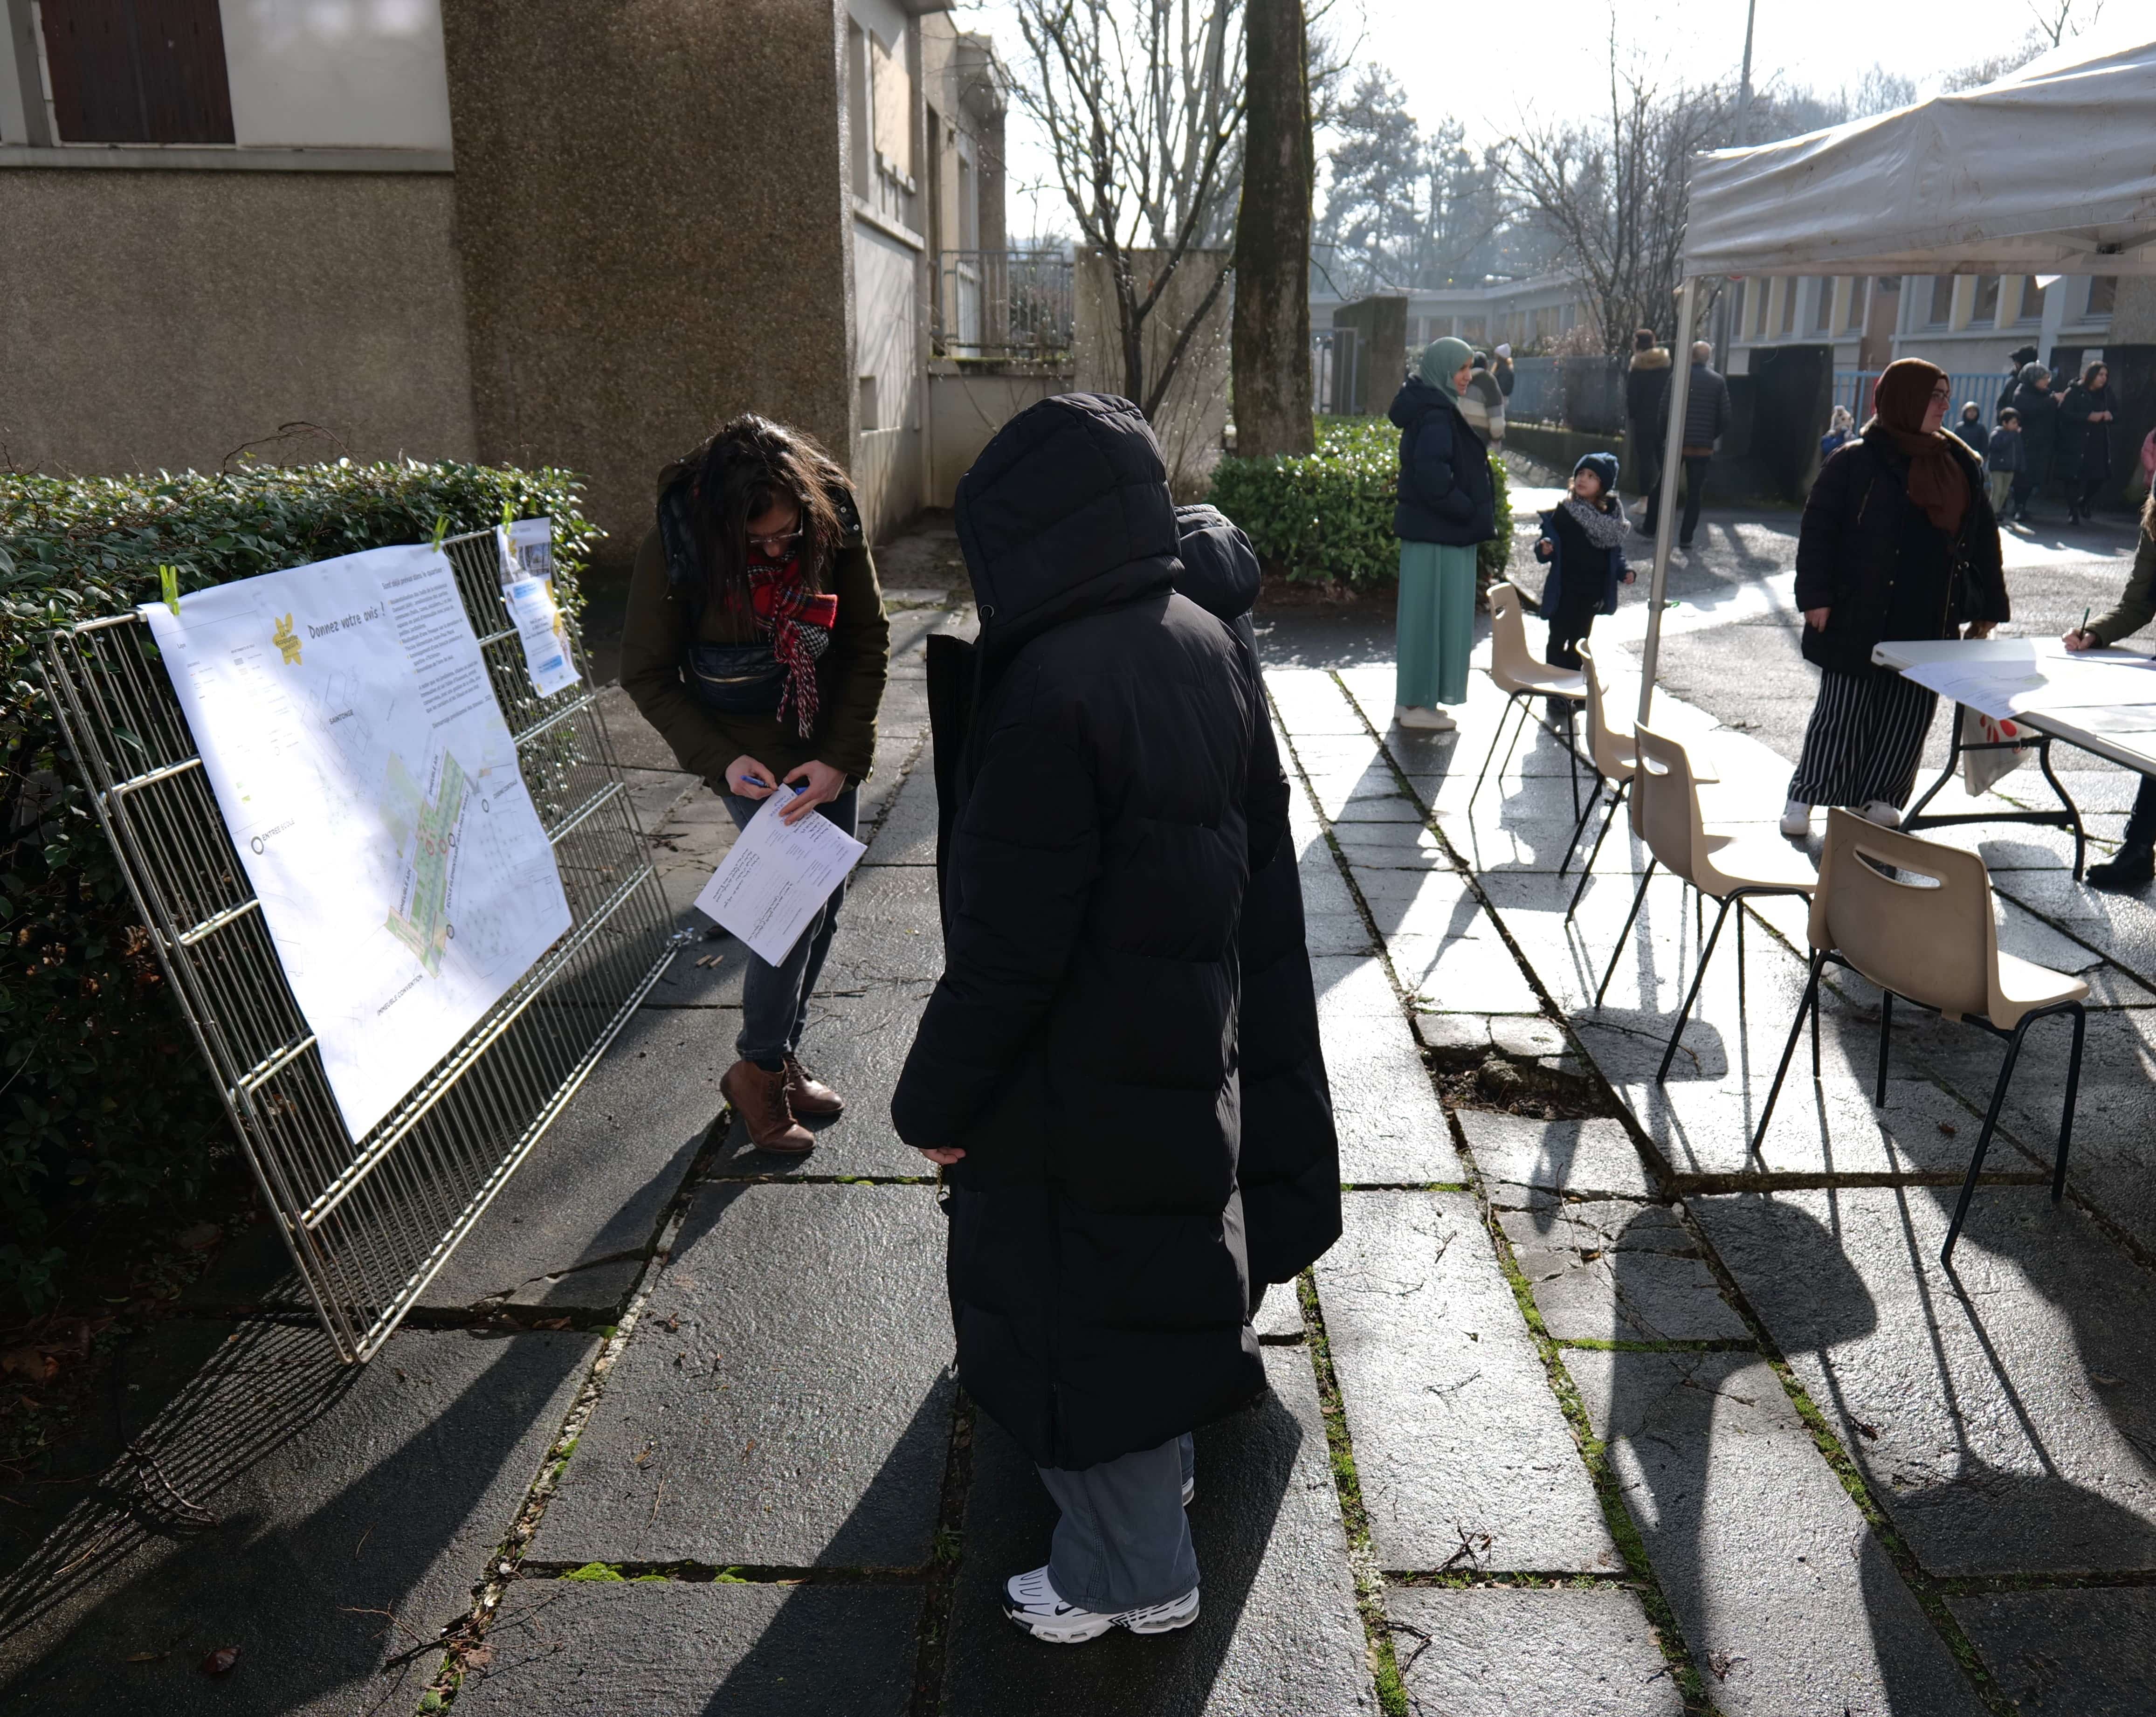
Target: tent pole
[(1666, 517)]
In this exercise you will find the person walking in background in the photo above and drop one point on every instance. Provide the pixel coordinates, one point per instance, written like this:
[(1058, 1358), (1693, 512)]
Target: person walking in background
[(755, 642), (1898, 542), (1447, 505), (1972, 430), (1646, 385), (1583, 541), (1482, 403), (1840, 430), (2133, 865), (2003, 459), (2085, 420), (1075, 1073), (1501, 367), (2038, 408), (1707, 416)]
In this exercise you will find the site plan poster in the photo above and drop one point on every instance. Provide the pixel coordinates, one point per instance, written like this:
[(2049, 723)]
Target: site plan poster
[(371, 787)]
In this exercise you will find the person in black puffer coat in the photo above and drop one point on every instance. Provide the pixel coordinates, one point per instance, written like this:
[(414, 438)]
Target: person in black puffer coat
[(1289, 1169), (2038, 407), (1074, 1071)]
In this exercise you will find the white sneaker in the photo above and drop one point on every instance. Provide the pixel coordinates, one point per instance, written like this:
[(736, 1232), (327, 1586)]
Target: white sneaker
[(1189, 1491), (1878, 811), (1428, 721), (1031, 1600), (1796, 821)]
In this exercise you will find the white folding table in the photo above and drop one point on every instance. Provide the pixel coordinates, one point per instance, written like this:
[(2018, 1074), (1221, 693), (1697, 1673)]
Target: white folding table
[(2132, 750)]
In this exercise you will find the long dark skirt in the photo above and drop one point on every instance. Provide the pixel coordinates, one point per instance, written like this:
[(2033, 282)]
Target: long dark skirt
[(1866, 739)]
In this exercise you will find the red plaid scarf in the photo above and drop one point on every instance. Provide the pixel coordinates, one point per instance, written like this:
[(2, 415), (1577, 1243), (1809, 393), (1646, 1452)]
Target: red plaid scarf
[(798, 621)]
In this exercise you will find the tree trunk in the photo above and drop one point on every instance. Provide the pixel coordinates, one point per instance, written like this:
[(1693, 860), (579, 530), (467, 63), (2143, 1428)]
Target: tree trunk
[(1270, 345)]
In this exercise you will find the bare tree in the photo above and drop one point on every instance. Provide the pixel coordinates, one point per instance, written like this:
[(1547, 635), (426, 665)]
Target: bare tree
[(1270, 345), (2057, 22), (1615, 194), (1141, 103)]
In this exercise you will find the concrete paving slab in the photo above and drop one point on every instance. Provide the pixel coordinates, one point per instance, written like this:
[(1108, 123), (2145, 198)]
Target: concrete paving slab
[(2079, 1653), (1790, 1604), (1404, 845), (890, 931), (672, 1648), (857, 1045), (1589, 1159), (1456, 1434), (1280, 1315), (598, 1181), (785, 1401), (907, 835), (1392, 1127), (655, 793), (687, 847), (1350, 989), (1308, 701), (1607, 1271), (1436, 903), (1337, 933), (356, 1507), (637, 744), (2004, 1418), (1277, 1630), (1492, 1652), (1476, 974), (1379, 807)]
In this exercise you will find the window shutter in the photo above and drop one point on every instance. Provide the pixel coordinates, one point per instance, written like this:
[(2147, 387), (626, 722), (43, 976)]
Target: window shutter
[(138, 71)]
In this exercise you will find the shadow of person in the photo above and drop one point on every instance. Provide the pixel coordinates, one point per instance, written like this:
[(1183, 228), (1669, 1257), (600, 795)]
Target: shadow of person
[(335, 1520)]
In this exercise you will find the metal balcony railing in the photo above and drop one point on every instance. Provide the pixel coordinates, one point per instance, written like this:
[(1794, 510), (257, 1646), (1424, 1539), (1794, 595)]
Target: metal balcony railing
[(1003, 304)]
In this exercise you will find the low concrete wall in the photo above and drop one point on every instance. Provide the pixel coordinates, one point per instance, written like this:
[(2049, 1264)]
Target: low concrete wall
[(159, 320), (967, 402)]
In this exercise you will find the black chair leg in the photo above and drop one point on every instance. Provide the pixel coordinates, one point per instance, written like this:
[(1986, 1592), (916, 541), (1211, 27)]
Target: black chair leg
[(1699, 977), (1512, 703), (1645, 876), (1587, 870), (1816, 1014), (2067, 1119), (1809, 1005), (1984, 1140), (1580, 824), (1740, 965), (1885, 1025), (1572, 745)]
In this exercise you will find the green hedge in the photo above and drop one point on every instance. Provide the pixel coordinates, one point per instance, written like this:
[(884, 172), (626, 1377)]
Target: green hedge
[(104, 1100), (1327, 517)]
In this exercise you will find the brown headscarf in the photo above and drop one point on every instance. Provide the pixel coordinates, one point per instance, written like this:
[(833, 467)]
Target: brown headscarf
[(1937, 482)]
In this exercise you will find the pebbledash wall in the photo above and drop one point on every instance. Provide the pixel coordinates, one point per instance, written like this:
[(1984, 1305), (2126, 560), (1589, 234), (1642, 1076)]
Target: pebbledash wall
[(573, 231)]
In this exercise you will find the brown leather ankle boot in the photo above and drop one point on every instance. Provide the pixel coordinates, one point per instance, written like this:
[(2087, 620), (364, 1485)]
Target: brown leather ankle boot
[(810, 1097), (759, 1098)]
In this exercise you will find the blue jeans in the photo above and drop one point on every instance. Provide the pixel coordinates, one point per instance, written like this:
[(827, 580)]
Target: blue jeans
[(1123, 1541), (775, 999)]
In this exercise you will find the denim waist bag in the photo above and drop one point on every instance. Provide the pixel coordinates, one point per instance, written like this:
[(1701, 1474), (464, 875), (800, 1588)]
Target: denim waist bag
[(735, 679)]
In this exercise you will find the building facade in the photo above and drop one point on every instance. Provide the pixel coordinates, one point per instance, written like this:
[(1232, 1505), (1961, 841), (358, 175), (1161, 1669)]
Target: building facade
[(570, 232)]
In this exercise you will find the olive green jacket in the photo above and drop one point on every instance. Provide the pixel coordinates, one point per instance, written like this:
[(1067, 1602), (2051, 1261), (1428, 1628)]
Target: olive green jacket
[(849, 676), (2136, 607)]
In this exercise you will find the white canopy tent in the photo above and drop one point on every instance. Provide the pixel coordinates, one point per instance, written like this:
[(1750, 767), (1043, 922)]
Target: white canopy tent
[(2050, 171)]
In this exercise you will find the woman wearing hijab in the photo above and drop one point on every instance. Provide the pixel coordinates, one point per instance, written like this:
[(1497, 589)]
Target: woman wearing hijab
[(2085, 440), (1898, 542), (1447, 506), (2037, 408)]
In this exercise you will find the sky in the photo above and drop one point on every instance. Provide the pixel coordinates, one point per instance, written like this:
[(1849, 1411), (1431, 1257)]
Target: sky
[(1485, 63)]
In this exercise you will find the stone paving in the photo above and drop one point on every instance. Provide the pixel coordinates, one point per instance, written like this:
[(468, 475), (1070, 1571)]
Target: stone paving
[(1599, 1414)]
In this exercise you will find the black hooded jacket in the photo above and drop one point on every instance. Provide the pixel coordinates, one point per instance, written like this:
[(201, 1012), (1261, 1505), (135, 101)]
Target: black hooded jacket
[(1290, 1168), (1103, 816)]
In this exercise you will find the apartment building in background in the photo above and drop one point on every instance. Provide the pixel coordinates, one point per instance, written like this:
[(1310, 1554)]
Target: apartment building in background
[(1966, 324), (570, 232)]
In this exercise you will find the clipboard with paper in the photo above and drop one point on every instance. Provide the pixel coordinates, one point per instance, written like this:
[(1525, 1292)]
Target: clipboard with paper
[(776, 876)]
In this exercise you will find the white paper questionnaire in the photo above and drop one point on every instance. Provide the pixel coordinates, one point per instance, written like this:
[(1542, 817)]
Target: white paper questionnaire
[(2039, 675), (371, 789), (527, 549), (774, 876)]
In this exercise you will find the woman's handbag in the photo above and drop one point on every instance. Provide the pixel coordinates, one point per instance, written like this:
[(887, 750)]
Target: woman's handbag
[(735, 679)]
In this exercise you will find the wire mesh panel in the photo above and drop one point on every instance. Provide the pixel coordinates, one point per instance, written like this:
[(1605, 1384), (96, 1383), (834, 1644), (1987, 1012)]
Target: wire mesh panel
[(369, 1222)]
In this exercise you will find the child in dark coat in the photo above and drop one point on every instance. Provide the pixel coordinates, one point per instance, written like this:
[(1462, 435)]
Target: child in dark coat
[(1583, 540), (2002, 459)]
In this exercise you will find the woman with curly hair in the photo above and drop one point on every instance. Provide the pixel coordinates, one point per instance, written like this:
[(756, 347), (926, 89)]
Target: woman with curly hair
[(756, 643)]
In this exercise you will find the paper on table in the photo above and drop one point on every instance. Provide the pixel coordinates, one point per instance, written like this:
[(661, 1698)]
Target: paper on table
[(2050, 679), (775, 877)]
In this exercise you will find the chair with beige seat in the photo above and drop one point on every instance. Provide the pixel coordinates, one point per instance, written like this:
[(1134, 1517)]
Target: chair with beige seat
[(1519, 674), (1609, 748), (1726, 867), (1915, 917)]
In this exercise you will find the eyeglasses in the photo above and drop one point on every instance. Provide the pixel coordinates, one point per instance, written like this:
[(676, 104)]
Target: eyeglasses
[(775, 545)]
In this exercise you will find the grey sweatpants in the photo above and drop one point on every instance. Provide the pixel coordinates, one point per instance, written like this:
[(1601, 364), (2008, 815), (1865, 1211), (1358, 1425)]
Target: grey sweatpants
[(1123, 1542)]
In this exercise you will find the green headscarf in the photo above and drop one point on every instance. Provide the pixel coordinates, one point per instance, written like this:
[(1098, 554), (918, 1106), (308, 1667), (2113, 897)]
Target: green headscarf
[(1442, 360)]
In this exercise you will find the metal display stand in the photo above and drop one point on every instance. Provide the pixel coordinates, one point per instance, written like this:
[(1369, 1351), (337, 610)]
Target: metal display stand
[(370, 1221), (2068, 816)]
